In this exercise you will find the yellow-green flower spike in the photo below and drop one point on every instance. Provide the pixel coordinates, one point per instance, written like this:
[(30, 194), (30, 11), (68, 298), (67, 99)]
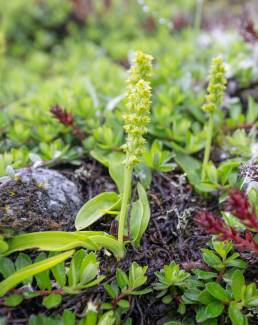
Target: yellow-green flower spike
[(138, 101), (217, 85)]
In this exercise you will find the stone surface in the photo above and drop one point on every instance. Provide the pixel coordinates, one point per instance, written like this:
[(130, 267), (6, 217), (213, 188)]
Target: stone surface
[(38, 199)]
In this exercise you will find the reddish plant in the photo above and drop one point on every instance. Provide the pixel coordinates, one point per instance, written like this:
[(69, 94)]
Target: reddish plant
[(62, 115), (238, 204), (67, 119), (248, 30)]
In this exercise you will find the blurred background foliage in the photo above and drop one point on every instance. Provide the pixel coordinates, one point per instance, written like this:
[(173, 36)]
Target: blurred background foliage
[(75, 53)]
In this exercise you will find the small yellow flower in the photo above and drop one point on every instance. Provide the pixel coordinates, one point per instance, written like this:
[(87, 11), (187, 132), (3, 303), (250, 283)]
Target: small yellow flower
[(138, 101), (216, 87)]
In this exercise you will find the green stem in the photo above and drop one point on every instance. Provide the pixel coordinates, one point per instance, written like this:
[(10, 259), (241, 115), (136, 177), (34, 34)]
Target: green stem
[(124, 208), (207, 147)]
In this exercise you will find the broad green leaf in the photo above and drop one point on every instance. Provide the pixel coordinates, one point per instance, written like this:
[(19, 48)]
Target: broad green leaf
[(107, 318), (6, 266), (214, 309), (252, 301), (68, 317), (124, 304), (74, 270), (93, 283), (31, 270), (59, 272), (136, 275), (52, 301), (113, 162), (190, 166), (235, 314), (212, 259), (110, 243), (201, 314), (211, 172), (205, 297), (116, 169), (140, 216), (21, 261), (216, 290), (88, 269), (112, 290), (3, 245), (222, 248), (121, 278), (43, 278), (53, 241), (95, 208), (204, 275), (238, 285), (13, 300)]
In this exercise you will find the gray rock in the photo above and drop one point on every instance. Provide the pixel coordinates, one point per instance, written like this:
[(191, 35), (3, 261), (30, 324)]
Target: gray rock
[(38, 199)]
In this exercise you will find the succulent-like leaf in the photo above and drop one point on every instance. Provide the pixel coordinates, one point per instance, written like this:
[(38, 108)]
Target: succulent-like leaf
[(95, 208), (31, 270)]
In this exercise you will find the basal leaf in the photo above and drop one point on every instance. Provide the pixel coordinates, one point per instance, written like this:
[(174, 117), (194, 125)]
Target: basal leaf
[(95, 208), (140, 216), (53, 241)]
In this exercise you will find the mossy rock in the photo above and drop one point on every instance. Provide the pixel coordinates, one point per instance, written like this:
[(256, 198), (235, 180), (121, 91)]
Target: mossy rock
[(38, 199)]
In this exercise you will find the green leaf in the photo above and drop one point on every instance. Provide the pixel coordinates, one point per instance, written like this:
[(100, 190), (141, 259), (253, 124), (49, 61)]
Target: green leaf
[(235, 314), (52, 301), (167, 299), (53, 241), (92, 283), (212, 259), (88, 269), (107, 318), (3, 245), (22, 261), (112, 290), (204, 275), (43, 278), (6, 267), (95, 208), (212, 173), (110, 243), (136, 275), (222, 248), (190, 166), (68, 317), (205, 297), (59, 272), (31, 270), (216, 290), (201, 315), (13, 300), (140, 216), (116, 169), (121, 278), (252, 302), (238, 285), (124, 304), (74, 270), (214, 309)]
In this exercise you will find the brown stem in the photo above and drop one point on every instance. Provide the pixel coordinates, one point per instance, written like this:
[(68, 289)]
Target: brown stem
[(220, 275)]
